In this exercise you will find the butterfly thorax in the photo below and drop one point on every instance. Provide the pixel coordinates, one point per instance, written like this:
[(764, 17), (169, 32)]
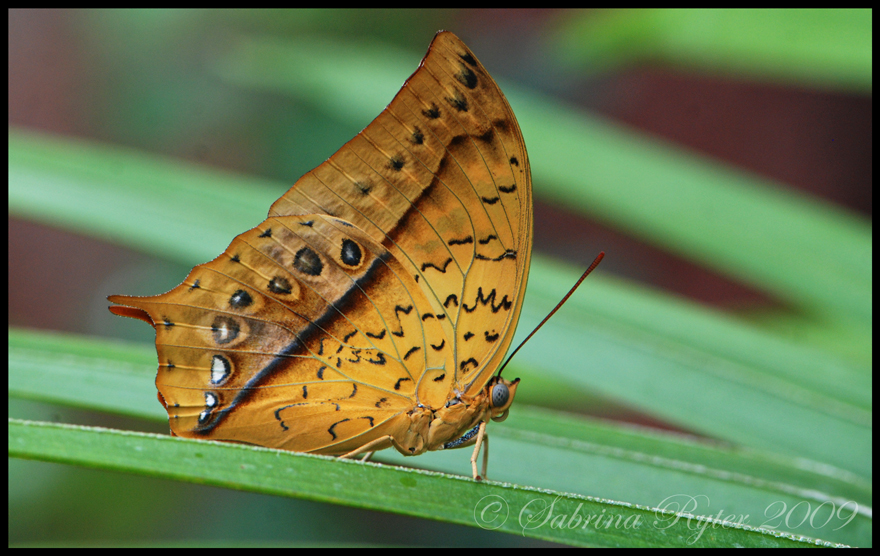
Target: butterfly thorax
[(454, 425)]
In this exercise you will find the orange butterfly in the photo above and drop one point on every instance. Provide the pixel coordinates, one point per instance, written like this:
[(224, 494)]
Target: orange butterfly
[(373, 306)]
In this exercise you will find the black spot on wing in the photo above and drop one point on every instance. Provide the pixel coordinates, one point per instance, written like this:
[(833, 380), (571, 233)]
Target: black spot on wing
[(426, 266), (350, 253), (468, 58), (396, 162), (432, 113), (467, 77), (458, 101), (240, 300), (397, 310), (279, 285), (308, 262), (348, 337), (509, 254), (488, 300), (468, 364), (463, 241), (224, 330)]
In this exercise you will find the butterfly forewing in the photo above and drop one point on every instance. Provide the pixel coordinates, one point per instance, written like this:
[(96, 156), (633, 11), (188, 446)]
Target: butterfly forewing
[(388, 278), (441, 178), (299, 315)]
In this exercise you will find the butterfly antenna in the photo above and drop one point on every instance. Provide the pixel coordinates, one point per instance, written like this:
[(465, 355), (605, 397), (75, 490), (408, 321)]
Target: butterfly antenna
[(595, 263)]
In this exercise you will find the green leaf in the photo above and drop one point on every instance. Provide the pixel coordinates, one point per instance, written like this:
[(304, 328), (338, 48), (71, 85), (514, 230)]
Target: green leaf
[(517, 510), (824, 48)]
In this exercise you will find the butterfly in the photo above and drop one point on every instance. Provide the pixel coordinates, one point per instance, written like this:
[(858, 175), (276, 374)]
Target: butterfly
[(373, 306)]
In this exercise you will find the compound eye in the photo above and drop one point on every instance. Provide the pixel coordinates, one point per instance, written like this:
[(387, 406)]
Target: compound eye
[(500, 395), (501, 417)]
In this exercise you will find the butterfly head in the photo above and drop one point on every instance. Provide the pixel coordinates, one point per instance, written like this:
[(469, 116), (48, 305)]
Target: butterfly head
[(501, 393)]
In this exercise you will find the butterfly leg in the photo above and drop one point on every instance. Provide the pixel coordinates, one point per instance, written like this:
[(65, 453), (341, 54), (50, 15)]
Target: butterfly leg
[(373, 446), (482, 438), (486, 456)]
